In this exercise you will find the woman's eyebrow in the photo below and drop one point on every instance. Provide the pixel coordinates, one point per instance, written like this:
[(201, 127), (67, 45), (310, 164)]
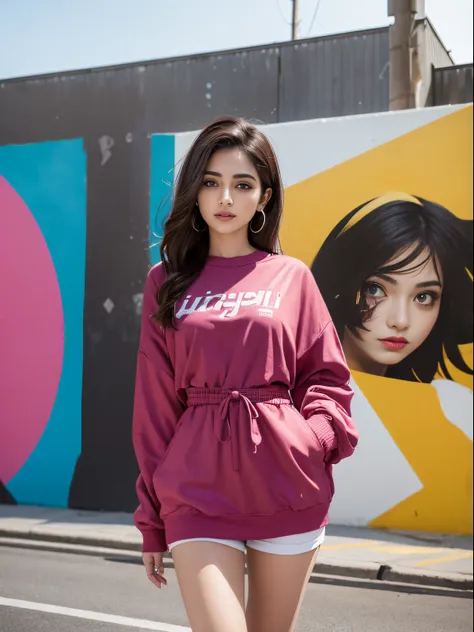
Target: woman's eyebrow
[(384, 277), (244, 175), (235, 176), (429, 284), (422, 284)]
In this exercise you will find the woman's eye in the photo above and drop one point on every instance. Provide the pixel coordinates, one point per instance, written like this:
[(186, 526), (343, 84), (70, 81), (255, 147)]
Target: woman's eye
[(244, 186), (374, 290), (209, 183), (426, 298)]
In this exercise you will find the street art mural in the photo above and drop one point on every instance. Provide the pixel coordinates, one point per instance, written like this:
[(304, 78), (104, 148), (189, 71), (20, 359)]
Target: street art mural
[(42, 245), (414, 466), (353, 185), (380, 208)]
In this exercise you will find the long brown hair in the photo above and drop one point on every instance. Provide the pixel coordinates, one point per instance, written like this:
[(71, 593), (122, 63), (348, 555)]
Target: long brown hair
[(184, 250)]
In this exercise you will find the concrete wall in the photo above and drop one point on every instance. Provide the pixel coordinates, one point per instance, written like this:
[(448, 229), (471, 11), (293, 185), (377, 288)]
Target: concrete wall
[(413, 467)]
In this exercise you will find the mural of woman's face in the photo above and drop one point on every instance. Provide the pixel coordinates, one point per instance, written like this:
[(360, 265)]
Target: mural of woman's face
[(405, 305)]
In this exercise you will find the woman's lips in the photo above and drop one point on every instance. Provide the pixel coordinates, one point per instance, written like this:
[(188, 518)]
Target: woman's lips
[(394, 344), (224, 217)]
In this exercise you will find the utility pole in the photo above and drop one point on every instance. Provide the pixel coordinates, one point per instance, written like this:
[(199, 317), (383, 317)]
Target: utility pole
[(295, 20), (400, 44)]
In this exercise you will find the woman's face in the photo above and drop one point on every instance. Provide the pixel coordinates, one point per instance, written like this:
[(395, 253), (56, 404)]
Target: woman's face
[(406, 306), (231, 192)]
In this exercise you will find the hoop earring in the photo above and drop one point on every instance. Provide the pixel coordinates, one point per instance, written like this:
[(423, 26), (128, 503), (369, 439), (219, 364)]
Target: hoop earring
[(261, 227), (198, 230)]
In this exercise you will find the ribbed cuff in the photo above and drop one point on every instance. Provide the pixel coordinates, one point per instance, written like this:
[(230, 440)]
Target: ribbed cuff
[(324, 430), (154, 541)]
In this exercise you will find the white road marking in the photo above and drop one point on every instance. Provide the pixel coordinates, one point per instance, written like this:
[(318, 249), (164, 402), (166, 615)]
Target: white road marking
[(94, 616)]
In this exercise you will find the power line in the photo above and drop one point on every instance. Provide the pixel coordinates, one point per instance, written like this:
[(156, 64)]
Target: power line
[(281, 13), (315, 15)]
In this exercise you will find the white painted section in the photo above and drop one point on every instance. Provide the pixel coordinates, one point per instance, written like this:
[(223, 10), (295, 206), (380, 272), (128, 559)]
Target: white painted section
[(142, 624), (182, 143), (377, 477), (456, 403), (305, 148)]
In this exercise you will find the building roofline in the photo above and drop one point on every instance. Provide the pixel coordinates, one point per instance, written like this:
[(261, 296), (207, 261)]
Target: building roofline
[(438, 37), (455, 67), (167, 60)]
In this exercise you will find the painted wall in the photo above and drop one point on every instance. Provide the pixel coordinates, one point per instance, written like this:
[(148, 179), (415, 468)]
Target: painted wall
[(413, 466), (42, 241), (114, 111), (70, 315)]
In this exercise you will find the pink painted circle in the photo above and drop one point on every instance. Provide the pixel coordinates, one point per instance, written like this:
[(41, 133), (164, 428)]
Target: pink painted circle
[(31, 333)]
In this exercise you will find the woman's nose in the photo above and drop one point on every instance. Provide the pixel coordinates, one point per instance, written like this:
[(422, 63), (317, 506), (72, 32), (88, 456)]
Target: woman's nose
[(226, 199), (398, 317)]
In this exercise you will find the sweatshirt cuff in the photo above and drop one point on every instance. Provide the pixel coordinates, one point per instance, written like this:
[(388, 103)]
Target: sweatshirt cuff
[(154, 541), (324, 430)]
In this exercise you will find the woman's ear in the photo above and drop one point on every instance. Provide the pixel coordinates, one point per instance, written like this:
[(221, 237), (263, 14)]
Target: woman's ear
[(266, 198)]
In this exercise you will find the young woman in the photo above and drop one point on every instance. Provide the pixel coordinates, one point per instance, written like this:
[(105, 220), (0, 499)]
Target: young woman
[(242, 395), (396, 275)]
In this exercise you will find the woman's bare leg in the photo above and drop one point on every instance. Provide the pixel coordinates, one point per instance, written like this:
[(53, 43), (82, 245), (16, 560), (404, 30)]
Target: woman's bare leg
[(211, 580), (277, 585)]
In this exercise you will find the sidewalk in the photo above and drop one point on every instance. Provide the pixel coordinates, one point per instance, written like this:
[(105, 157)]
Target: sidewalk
[(408, 557)]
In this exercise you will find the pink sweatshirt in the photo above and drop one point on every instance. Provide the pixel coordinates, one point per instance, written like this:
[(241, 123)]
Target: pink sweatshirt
[(241, 412)]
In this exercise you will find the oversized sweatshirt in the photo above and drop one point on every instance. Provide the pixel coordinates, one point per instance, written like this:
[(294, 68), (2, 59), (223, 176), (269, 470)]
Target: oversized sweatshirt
[(241, 410)]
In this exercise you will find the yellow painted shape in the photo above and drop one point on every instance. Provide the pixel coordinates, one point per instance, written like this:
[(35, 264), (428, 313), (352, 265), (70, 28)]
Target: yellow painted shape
[(391, 196), (439, 453), (454, 557), (345, 547), (405, 550), (433, 162)]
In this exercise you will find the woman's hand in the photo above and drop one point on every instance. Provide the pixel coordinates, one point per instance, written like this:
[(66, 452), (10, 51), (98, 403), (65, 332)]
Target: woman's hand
[(154, 568)]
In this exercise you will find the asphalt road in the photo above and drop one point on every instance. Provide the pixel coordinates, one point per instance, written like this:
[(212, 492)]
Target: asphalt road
[(69, 590)]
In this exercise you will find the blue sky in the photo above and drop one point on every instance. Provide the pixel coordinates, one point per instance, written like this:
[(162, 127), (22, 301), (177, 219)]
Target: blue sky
[(52, 35)]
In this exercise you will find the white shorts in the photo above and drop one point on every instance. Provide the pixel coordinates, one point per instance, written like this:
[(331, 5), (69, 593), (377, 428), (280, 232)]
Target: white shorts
[(287, 545)]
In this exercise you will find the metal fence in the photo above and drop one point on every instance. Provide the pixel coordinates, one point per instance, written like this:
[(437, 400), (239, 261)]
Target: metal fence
[(452, 85)]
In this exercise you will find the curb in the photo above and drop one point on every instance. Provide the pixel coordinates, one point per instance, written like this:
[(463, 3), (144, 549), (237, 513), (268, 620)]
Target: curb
[(84, 545), (457, 581), (82, 540), (350, 568)]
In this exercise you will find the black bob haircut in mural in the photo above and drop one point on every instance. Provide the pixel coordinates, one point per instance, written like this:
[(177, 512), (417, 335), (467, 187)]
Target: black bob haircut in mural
[(368, 240)]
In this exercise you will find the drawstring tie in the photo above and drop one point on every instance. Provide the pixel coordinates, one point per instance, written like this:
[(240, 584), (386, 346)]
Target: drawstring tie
[(237, 397), (230, 403)]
